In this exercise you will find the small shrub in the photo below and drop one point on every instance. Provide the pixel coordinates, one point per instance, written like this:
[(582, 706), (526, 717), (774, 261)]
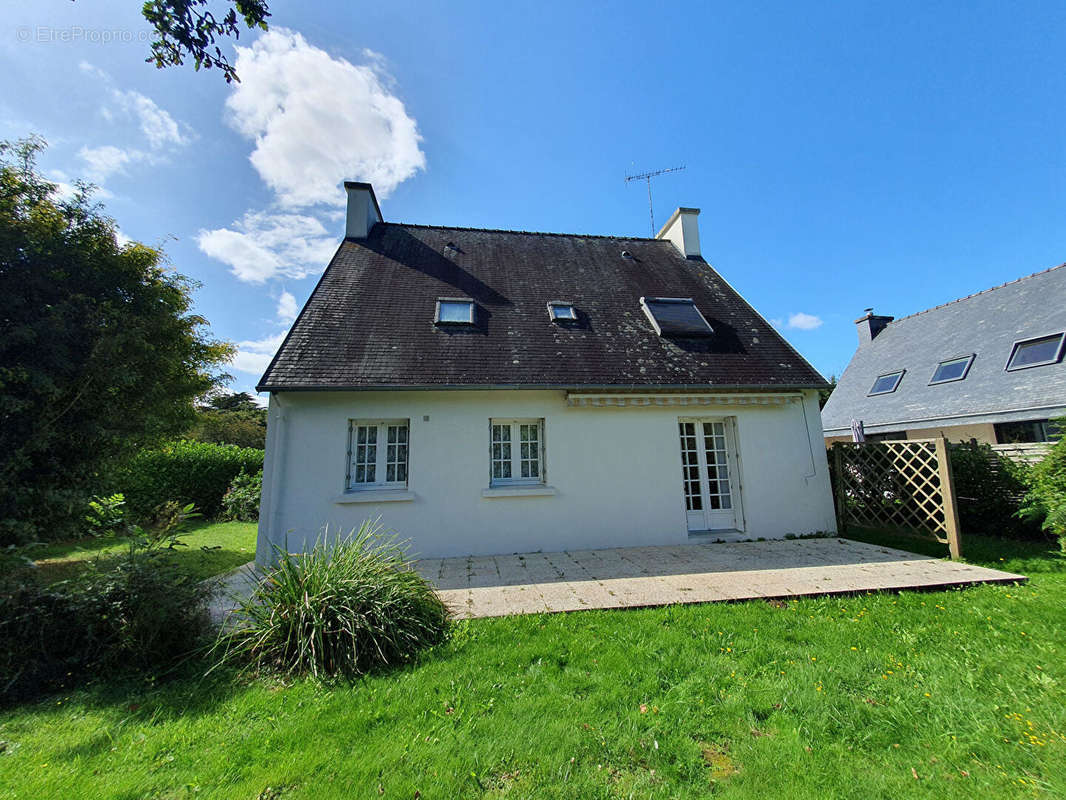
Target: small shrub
[(141, 615), (341, 609), (241, 501), (189, 472), (1045, 503)]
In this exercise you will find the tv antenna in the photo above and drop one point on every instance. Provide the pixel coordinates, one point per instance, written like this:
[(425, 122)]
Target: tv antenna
[(647, 176)]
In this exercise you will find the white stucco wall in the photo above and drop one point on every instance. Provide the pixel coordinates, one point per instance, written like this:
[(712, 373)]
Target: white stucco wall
[(616, 472)]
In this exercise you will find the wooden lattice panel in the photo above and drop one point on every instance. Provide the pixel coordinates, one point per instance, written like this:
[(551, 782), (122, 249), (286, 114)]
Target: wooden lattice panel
[(897, 484)]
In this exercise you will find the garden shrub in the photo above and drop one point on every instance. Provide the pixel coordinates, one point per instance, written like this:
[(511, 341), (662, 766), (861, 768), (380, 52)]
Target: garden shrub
[(186, 471), (241, 501), (141, 615), (341, 609), (1045, 504), (989, 490)]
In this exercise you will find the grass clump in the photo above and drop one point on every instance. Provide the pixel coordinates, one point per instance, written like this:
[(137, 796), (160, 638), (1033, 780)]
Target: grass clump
[(343, 608)]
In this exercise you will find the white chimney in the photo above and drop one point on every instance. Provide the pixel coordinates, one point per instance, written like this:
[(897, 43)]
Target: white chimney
[(683, 230), (363, 210)]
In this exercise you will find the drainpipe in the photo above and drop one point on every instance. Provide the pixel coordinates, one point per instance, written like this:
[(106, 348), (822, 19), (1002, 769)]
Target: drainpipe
[(810, 443)]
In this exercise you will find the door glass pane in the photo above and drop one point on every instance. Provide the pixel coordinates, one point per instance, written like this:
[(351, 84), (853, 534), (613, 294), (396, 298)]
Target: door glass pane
[(690, 471), (714, 446)]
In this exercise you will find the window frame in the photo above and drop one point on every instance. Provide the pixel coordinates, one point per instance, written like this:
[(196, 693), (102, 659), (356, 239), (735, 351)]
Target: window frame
[(469, 301), (516, 452), (1029, 340), (966, 370), (554, 304), (677, 301), (899, 380), (381, 455)]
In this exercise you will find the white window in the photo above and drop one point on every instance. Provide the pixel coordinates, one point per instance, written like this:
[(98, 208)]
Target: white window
[(1036, 352), (562, 310), (516, 451), (887, 383), (377, 454), (454, 311), (954, 369)]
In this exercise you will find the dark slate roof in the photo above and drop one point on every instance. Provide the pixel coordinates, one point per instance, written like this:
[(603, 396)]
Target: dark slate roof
[(986, 324), (369, 322)]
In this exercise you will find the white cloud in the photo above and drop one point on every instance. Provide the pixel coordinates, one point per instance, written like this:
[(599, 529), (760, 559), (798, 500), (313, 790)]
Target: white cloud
[(804, 322), (317, 120), (265, 245), (102, 162), (287, 308), (158, 127), (254, 356)]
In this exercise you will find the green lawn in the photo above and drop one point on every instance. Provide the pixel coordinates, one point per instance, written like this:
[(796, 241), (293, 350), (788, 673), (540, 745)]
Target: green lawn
[(211, 549), (955, 694)]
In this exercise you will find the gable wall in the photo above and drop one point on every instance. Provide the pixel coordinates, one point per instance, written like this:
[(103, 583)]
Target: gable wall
[(616, 472)]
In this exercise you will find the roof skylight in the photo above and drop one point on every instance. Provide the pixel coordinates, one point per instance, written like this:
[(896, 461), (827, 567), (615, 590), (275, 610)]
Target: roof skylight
[(675, 316), (562, 311), (887, 383), (1036, 352), (454, 311), (954, 369)]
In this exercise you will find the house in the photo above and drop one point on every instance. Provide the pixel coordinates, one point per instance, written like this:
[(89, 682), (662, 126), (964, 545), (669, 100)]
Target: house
[(492, 391), (987, 367)]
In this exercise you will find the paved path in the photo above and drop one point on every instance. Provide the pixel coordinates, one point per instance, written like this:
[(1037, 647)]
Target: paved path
[(526, 583)]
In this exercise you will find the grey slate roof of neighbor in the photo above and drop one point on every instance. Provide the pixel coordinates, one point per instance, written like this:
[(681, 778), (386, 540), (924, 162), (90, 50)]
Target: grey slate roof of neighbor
[(369, 322), (987, 324)]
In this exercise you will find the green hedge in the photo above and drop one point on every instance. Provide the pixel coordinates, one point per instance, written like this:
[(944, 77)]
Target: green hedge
[(185, 471), (989, 490)]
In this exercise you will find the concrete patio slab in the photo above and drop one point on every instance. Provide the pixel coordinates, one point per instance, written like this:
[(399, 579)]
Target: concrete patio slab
[(634, 577)]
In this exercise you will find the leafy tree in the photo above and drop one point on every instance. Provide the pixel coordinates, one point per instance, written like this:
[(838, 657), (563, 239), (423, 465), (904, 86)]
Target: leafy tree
[(230, 418), (186, 28), (823, 394), (99, 353)]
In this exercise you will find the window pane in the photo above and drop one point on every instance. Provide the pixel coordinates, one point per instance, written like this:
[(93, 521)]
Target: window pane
[(886, 383), (951, 370), (677, 317), (455, 311), (396, 455), (1036, 351), (564, 312)]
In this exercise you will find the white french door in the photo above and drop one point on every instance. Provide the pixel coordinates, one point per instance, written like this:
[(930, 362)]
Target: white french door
[(709, 474)]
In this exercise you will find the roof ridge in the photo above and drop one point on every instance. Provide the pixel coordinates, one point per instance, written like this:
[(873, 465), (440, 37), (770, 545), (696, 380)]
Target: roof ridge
[(528, 233), (977, 294)]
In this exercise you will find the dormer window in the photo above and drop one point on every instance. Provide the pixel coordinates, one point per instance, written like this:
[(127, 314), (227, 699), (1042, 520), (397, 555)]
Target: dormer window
[(562, 311), (954, 369), (675, 316), (1036, 352), (454, 311), (887, 383)]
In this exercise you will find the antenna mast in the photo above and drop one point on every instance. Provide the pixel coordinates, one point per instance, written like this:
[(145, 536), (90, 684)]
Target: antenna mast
[(647, 176)]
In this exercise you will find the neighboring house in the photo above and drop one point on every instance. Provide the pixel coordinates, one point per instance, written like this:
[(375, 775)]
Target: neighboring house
[(987, 367), (489, 391)]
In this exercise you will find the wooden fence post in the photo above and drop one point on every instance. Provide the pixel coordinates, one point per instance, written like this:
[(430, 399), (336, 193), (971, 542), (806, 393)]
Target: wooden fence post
[(947, 493), (838, 463)]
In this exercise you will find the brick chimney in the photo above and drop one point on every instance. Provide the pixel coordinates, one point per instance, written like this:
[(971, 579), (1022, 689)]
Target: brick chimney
[(363, 210), (683, 230), (870, 325)]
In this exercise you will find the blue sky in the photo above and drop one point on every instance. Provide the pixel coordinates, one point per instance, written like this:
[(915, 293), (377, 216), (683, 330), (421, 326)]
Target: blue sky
[(844, 155)]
